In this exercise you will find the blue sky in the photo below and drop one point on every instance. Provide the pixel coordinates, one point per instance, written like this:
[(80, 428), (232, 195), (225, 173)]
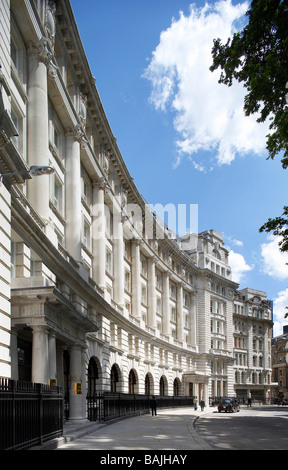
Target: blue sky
[(183, 136)]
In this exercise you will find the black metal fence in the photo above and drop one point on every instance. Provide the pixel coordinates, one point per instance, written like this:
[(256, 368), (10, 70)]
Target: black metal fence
[(30, 414), (105, 406)]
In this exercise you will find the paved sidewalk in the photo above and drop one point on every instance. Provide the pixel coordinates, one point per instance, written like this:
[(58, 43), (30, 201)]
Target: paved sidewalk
[(171, 429)]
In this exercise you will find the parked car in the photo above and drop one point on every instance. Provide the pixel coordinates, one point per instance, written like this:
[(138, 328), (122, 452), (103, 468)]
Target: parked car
[(228, 404)]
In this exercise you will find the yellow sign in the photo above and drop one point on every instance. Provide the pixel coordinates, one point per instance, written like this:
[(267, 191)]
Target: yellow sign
[(78, 388)]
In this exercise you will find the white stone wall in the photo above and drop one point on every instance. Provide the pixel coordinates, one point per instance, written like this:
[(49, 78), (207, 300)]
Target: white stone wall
[(5, 278), (5, 216), (171, 339)]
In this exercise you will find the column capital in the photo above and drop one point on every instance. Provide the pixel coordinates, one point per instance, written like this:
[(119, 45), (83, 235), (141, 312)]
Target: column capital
[(41, 51), (136, 241), (77, 133), (101, 183)]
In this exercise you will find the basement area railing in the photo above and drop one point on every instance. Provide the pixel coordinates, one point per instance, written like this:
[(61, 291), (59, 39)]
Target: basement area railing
[(104, 406), (30, 414)]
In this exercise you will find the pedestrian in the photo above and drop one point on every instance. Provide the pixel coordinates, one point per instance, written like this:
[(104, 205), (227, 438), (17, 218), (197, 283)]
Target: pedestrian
[(154, 406), (249, 402), (202, 404), (195, 404)]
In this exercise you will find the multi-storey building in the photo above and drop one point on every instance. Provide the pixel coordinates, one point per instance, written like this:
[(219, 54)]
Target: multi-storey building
[(280, 367), (96, 293), (252, 344)]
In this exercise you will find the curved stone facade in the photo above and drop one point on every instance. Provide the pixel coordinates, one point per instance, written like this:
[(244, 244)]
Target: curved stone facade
[(103, 295)]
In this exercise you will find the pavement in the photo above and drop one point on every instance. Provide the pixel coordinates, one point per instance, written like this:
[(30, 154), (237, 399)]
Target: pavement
[(171, 430)]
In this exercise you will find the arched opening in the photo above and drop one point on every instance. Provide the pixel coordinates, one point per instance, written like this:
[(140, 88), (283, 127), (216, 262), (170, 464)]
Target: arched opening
[(162, 386), (176, 387), (93, 375), (149, 385), (132, 381), (114, 378)]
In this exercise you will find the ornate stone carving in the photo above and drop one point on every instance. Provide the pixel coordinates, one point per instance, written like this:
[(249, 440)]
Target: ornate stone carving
[(83, 108), (78, 133), (105, 163), (50, 21), (40, 50)]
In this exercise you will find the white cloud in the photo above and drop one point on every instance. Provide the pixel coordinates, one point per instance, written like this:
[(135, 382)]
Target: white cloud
[(274, 262), (238, 265), (279, 311), (208, 116), (232, 240)]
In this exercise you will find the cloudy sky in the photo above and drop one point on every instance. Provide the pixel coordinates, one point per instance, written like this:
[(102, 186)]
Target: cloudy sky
[(183, 136)]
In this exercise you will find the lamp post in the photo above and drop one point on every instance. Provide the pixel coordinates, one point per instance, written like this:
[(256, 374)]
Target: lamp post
[(34, 170)]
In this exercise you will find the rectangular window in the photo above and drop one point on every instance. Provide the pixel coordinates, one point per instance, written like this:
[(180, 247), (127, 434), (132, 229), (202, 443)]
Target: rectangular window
[(144, 295), (86, 234), (127, 281), (58, 194), (173, 314), (108, 262), (173, 291)]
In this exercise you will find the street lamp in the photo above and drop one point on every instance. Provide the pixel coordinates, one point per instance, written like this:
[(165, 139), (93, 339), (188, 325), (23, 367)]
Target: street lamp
[(34, 170)]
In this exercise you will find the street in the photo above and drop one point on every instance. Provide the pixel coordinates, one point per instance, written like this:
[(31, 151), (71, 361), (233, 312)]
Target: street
[(255, 428)]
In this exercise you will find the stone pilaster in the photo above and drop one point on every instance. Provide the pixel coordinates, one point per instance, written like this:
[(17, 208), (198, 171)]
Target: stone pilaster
[(118, 258), (166, 304), (76, 385), (40, 355), (151, 293), (136, 284), (73, 193), (98, 233), (180, 312), (37, 125)]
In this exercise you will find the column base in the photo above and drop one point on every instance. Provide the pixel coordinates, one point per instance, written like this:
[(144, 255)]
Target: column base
[(77, 421)]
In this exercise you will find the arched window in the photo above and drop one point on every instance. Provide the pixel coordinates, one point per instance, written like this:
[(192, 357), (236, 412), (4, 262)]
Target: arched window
[(114, 378), (147, 385), (162, 386), (92, 376), (176, 387), (132, 381)]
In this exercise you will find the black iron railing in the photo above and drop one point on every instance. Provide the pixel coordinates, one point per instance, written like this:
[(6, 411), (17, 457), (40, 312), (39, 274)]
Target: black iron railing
[(30, 414), (105, 406)]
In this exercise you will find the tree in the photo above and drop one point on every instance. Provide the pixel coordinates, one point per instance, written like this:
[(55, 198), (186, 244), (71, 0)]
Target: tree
[(258, 57)]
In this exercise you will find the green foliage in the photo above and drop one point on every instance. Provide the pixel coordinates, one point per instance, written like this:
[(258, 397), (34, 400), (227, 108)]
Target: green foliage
[(258, 57), (279, 227)]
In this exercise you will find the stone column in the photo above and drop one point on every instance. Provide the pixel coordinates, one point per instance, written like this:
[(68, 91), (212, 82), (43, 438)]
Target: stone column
[(14, 355), (151, 293), (52, 356), (193, 321), (60, 365), (136, 284), (76, 384), (98, 234), (118, 259), (37, 124), (179, 312), (166, 304), (40, 355), (73, 193)]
